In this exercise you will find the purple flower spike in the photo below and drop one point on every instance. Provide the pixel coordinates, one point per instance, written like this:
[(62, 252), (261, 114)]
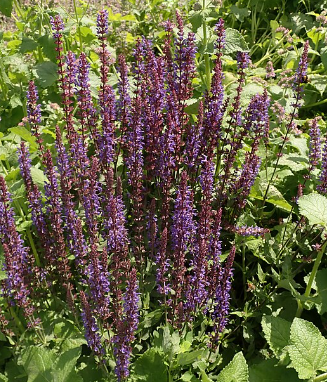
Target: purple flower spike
[(315, 144), (126, 328), (15, 254), (90, 326), (222, 297), (243, 60)]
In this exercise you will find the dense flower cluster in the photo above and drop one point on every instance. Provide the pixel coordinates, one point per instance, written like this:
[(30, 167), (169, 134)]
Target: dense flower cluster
[(137, 185)]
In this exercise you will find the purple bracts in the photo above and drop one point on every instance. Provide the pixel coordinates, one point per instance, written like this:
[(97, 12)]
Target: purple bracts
[(91, 328), (315, 144), (221, 301), (15, 254), (126, 327)]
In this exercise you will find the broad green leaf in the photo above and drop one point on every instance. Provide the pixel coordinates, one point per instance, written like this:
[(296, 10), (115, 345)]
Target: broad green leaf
[(150, 367), (301, 144), (308, 349), (26, 135), (6, 7), (187, 358), (314, 208), (269, 371), (151, 319), (38, 176), (235, 371), (240, 13), (48, 45), (15, 101), (277, 333), (64, 369), (321, 283), (235, 42), (38, 363), (249, 91), (89, 370), (46, 73), (28, 45), (294, 162), (319, 82), (316, 35), (170, 342)]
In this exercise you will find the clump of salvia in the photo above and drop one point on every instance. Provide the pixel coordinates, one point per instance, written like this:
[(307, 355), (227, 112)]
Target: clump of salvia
[(137, 187)]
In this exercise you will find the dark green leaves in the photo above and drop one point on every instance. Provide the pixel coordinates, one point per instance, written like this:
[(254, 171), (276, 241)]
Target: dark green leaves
[(6, 7)]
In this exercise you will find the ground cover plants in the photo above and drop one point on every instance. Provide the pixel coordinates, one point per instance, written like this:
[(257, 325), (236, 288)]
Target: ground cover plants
[(162, 192)]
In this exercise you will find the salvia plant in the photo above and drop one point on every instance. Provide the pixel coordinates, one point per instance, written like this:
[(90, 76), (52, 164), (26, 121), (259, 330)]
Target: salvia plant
[(141, 200)]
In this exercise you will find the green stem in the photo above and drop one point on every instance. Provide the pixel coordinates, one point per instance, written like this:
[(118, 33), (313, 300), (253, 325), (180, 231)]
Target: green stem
[(18, 9), (311, 279), (321, 377), (314, 104), (78, 27), (244, 270)]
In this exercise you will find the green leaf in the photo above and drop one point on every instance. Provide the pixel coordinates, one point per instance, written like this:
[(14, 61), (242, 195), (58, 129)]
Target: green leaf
[(6, 7), (26, 135), (240, 13), (314, 208), (46, 73), (294, 162), (65, 365), (28, 45), (308, 349), (269, 371), (235, 371), (187, 358), (321, 283), (48, 45), (319, 82), (150, 367), (170, 342), (38, 176), (235, 42), (277, 333), (38, 363)]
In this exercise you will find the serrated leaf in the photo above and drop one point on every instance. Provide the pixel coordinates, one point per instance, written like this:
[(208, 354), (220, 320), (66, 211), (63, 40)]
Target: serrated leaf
[(235, 42), (277, 333), (38, 363), (150, 367), (294, 162), (170, 342), (38, 176), (26, 135), (308, 349), (319, 82), (314, 208), (46, 73), (65, 365), (236, 371)]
